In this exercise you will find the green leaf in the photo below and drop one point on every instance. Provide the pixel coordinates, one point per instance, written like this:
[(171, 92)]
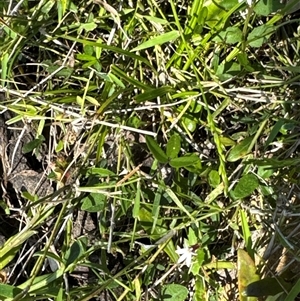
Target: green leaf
[(214, 178), (246, 274), (266, 7), (215, 12), (156, 151), (231, 35), (30, 146), (246, 185), (85, 57), (94, 202), (240, 150), (184, 161), (146, 221), (294, 292), (153, 94), (102, 172), (190, 123), (173, 146), (260, 35), (76, 250), (9, 291), (268, 286), (275, 130), (88, 26), (12, 246), (174, 292), (158, 40)]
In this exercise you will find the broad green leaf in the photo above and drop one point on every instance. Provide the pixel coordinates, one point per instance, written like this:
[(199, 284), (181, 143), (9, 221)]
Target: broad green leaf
[(266, 7), (174, 292), (231, 35), (158, 40), (156, 151), (30, 146), (214, 178), (190, 123), (269, 286), (246, 274), (116, 80), (94, 202), (227, 70), (173, 146), (265, 172), (184, 161), (227, 141), (246, 185), (197, 264), (240, 150), (9, 291), (88, 26), (92, 100), (215, 12), (43, 281), (260, 35), (76, 250)]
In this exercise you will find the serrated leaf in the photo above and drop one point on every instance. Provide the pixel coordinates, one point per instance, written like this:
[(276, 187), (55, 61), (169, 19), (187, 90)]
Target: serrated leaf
[(240, 150), (173, 146), (184, 161), (246, 185), (158, 40), (156, 151)]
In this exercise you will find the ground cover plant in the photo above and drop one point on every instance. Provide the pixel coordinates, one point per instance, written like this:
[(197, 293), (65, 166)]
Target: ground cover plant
[(149, 150)]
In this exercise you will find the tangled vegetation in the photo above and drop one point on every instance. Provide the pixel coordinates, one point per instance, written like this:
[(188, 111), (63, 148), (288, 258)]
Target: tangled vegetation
[(149, 150)]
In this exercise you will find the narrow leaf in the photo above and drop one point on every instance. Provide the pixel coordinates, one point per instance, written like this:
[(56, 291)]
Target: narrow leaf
[(156, 151), (159, 40)]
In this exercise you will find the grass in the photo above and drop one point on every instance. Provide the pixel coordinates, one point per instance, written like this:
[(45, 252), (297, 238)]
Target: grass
[(168, 132)]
